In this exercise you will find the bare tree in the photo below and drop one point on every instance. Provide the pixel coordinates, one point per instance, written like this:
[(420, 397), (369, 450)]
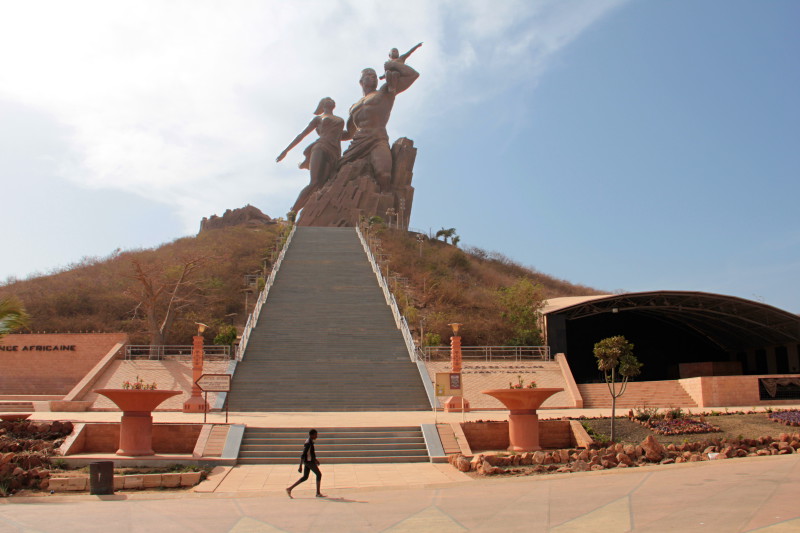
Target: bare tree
[(163, 292)]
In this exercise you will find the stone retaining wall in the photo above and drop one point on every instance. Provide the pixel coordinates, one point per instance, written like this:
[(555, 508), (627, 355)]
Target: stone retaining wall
[(129, 482)]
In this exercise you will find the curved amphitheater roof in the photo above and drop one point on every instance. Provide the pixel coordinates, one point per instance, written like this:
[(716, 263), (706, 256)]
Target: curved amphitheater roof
[(728, 321)]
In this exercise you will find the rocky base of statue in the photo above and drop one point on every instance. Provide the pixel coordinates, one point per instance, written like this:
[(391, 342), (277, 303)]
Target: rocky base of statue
[(353, 193)]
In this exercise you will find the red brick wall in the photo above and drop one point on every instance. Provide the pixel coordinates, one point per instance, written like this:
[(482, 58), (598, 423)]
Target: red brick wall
[(167, 438), (493, 436), (31, 365), (728, 391)]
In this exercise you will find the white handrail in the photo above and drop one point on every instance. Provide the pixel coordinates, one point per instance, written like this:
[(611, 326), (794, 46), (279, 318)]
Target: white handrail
[(262, 298), (399, 319)]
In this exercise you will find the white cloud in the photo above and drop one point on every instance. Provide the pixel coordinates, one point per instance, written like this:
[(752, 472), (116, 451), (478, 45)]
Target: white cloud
[(188, 103)]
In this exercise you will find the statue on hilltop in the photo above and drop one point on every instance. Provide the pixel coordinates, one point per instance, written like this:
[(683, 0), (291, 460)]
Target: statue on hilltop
[(370, 178), (321, 156)]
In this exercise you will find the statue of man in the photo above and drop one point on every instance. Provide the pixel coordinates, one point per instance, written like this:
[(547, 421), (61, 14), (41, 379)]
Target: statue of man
[(366, 125)]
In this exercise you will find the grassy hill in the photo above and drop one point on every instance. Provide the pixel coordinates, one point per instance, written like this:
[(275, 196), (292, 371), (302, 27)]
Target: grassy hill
[(107, 294), (435, 284), (444, 284)]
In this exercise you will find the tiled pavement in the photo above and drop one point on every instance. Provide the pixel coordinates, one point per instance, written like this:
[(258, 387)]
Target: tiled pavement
[(275, 478), (169, 375), (751, 494), (483, 375)]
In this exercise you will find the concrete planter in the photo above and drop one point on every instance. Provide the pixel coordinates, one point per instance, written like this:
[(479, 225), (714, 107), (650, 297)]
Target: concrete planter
[(136, 430), (523, 422)]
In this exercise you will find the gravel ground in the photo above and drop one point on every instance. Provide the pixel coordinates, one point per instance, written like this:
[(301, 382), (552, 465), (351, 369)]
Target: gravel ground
[(733, 426)]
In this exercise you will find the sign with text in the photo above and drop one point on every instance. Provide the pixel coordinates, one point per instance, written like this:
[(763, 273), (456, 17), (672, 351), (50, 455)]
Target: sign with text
[(448, 384), (214, 382), (39, 348)]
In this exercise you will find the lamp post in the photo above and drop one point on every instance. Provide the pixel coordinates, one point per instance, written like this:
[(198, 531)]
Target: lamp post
[(455, 348), (389, 214), (456, 403), (196, 403), (420, 240)]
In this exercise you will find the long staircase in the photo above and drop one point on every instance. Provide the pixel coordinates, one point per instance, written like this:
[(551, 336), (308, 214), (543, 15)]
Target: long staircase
[(637, 394), (326, 339), (334, 445)]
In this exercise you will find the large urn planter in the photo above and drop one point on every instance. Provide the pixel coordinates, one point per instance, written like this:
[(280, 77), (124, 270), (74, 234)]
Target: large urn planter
[(523, 422), (136, 427)]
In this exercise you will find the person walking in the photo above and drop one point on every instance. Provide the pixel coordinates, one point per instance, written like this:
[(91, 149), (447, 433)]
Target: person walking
[(308, 463)]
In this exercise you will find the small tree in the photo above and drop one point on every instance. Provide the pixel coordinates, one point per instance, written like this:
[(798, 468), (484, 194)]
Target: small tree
[(615, 358), (12, 316), (226, 335), (446, 234), (522, 305)]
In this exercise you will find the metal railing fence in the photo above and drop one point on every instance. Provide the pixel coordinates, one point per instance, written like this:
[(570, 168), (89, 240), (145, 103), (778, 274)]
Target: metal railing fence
[(490, 353), (253, 318), (177, 352)]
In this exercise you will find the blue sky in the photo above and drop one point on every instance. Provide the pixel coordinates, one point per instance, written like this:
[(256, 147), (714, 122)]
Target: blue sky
[(625, 145)]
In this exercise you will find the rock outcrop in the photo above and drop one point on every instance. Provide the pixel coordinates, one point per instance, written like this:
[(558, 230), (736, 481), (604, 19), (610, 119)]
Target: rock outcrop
[(248, 215)]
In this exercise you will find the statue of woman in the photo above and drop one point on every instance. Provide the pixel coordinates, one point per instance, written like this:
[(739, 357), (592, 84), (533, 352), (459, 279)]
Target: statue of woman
[(322, 155)]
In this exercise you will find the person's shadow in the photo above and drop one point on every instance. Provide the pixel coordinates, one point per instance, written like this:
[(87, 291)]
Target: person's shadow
[(342, 500)]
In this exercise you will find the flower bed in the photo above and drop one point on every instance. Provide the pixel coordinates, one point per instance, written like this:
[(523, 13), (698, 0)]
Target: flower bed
[(790, 417), (678, 426)]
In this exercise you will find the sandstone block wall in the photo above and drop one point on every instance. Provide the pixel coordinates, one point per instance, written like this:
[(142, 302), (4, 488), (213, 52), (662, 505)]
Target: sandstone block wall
[(50, 364)]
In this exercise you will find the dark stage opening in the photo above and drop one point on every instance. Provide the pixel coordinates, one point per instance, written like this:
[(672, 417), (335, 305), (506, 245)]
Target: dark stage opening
[(661, 346)]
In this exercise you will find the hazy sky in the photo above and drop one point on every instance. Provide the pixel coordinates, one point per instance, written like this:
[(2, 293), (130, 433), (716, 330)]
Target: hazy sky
[(625, 145)]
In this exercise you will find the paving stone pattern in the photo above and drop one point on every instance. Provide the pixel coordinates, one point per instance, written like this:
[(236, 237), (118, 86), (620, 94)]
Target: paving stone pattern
[(484, 375), (326, 339), (168, 375)]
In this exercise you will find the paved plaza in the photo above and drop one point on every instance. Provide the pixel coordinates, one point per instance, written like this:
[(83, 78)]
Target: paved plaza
[(752, 494), (749, 494)]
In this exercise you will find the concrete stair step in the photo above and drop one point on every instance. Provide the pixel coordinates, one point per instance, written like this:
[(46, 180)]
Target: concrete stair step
[(337, 460), (325, 339), (335, 445)]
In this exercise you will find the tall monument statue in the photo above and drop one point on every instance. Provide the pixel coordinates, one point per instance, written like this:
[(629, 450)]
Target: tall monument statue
[(370, 178), (321, 156)]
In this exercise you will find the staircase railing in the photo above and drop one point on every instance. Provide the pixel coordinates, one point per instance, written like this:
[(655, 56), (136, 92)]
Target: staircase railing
[(414, 352), (399, 319), (262, 298)]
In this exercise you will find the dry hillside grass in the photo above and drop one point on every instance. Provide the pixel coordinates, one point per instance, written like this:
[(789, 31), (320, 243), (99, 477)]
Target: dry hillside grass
[(447, 284), (100, 294)]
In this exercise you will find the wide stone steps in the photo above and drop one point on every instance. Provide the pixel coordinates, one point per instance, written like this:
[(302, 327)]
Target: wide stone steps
[(16, 407), (326, 339), (637, 394), (334, 445)]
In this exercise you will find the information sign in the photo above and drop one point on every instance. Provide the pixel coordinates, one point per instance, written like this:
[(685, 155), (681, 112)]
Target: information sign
[(214, 382)]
